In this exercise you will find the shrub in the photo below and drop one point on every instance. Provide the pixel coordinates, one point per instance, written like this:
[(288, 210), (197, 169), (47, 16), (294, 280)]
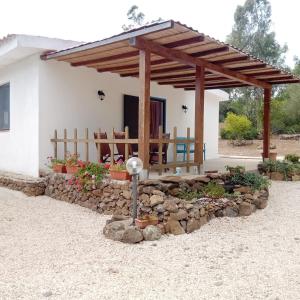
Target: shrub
[(238, 127), (292, 158), (190, 195), (214, 190), (236, 169), (253, 180), (285, 167)]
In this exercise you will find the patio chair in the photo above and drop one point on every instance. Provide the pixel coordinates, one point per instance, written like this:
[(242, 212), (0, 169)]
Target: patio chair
[(121, 147), (154, 151), (182, 148), (104, 147)]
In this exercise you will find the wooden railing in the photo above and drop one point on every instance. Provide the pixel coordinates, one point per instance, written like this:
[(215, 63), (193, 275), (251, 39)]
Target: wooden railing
[(112, 142)]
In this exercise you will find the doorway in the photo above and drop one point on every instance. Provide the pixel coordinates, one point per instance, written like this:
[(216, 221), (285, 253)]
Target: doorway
[(157, 115)]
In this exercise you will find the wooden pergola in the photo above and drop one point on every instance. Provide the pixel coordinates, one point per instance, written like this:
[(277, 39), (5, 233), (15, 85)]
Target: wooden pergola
[(171, 53)]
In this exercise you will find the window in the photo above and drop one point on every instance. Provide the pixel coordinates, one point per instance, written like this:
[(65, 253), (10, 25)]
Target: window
[(4, 106)]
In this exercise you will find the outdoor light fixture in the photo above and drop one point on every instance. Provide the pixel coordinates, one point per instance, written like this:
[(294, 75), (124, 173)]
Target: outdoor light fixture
[(134, 166), (184, 108), (101, 95)]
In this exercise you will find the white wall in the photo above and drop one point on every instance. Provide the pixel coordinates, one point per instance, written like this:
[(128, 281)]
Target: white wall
[(19, 146), (68, 99)]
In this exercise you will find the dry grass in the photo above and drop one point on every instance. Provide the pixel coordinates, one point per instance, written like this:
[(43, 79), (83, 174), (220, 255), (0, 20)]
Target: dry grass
[(283, 147)]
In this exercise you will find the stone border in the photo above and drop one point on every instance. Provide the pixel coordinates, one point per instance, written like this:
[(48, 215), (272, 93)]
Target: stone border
[(30, 186)]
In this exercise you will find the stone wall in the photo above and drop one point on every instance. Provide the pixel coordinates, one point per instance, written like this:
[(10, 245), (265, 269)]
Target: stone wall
[(160, 198), (28, 185)]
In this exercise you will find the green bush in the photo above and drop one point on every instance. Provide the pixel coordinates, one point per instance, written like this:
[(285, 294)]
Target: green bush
[(253, 180), (238, 127), (190, 195), (214, 190), (294, 158), (285, 167)]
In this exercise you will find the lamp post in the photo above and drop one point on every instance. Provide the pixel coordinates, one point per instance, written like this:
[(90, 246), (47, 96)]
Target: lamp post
[(134, 166)]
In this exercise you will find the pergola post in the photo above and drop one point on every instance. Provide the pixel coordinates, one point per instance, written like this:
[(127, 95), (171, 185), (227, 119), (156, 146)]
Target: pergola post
[(199, 116), (266, 123), (144, 107)]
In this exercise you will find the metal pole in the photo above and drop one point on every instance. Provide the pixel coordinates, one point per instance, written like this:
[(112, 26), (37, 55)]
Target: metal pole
[(134, 197)]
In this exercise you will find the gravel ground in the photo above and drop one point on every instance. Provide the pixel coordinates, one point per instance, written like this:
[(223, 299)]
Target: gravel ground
[(55, 250)]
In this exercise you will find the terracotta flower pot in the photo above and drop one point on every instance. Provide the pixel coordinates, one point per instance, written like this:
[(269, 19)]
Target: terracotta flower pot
[(119, 175), (59, 168), (144, 223), (273, 156), (72, 169), (277, 176)]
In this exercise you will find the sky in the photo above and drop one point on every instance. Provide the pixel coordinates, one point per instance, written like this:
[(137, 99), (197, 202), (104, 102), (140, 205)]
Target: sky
[(90, 20)]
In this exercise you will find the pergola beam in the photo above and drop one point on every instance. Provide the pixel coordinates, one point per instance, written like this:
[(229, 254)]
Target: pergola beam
[(188, 60)]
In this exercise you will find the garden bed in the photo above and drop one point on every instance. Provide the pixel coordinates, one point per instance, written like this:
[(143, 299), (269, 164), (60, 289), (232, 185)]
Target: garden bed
[(179, 204)]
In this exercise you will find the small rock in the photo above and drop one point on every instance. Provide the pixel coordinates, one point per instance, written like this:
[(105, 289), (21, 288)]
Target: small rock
[(132, 235), (174, 227), (170, 205), (151, 233), (155, 200), (47, 294), (180, 215), (115, 230), (127, 195), (243, 190), (230, 212), (245, 209), (218, 283), (158, 192), (160, 208), (192, 225)]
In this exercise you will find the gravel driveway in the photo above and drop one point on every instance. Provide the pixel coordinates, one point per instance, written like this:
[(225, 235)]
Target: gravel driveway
[(55, 250)]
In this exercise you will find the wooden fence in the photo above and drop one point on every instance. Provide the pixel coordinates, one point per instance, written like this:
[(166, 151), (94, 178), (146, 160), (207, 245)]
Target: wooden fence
[(160, 166)]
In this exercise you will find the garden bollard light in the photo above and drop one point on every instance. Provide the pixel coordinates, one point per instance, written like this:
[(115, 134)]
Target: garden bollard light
[(134, 166)]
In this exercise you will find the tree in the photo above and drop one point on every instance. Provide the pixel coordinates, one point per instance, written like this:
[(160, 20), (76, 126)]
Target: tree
[(137, 19), (252, 33)]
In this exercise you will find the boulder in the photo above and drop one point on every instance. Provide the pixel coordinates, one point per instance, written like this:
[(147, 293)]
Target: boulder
[(261, 203), (155, 200), (192, 225), (115, 230), (132, 235), (171, 179), (174, 227), (245, 209), (151, 233), (170, 205)]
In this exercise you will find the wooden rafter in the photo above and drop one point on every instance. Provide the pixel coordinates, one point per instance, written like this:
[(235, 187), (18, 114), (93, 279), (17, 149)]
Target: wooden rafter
[(188, 60)]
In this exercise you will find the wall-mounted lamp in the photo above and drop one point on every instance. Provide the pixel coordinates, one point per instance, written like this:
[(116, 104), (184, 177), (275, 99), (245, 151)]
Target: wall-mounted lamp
[(184, 108), (101, 95)]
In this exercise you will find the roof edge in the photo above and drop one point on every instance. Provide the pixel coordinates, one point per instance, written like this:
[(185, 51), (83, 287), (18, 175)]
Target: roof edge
[(116, 38)]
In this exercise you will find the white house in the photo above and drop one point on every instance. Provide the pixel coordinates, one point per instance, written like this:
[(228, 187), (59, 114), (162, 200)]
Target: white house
[(38, 96)]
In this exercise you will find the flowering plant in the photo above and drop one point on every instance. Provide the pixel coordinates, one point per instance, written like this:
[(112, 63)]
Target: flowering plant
[(73, 160), (54, 161), (88, 176), (119, 166)]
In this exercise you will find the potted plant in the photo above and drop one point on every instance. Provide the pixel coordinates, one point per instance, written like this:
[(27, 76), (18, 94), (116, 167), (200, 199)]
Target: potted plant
[(119, 172), (73, 165), (57, 165), (272, 155), (146, 220)]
